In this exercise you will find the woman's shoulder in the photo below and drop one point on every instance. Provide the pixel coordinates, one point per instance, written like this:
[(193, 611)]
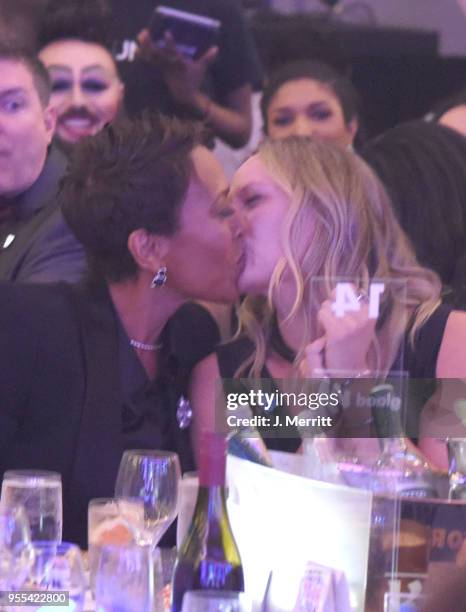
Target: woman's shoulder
[(432, 329), (232, 354), (193, 333), (423, 356), (451, 362)]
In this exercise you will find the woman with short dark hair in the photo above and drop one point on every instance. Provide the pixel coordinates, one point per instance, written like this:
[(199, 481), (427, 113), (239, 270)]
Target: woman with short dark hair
[(89, 371), (310, 98)]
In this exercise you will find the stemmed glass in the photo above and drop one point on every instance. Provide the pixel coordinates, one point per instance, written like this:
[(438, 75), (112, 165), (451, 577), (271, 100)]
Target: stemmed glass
[(152, 476), (40, 493)]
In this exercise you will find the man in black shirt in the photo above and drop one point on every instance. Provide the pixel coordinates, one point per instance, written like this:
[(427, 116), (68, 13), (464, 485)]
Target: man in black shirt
[(35, 242), (216, 88)]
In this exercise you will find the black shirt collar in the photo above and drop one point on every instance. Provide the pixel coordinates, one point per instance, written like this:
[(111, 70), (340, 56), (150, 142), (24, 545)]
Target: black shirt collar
[(44, 189)]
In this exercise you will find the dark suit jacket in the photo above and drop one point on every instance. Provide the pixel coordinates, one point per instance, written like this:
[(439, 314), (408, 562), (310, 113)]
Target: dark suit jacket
[(44, 250), (60, 396)]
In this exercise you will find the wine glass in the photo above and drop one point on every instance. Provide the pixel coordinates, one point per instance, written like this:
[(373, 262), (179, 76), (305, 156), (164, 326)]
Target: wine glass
[(152, 476), (50, 566), (124, 579), (40, 493), (14, 531), (214, 601)]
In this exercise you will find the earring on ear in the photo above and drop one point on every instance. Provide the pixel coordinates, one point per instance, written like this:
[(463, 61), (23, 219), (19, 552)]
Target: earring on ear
[(160, 278)]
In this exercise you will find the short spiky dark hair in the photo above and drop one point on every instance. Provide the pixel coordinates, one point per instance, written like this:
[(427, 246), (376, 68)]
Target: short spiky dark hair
[(317, 71), (39, 73), (131, 175)]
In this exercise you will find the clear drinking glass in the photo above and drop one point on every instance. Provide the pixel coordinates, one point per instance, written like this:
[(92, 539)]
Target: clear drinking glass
[(40, 493), (14, 527), (14, 531), (214, 601), (112, 521), (152, 476), (45, 566), (457, 467), (124, 580)]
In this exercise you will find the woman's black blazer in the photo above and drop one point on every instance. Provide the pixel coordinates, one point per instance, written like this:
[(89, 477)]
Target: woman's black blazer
[(60, 397)]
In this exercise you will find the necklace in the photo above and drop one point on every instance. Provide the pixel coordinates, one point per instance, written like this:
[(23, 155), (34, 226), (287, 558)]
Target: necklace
[(143, 346)]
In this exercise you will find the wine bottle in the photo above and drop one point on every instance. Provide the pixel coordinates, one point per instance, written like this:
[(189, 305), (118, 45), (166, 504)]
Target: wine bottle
[(245, 441), (208, 558)]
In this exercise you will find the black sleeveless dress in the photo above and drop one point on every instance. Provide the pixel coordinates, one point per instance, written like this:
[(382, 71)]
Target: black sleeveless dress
[(419, 362)]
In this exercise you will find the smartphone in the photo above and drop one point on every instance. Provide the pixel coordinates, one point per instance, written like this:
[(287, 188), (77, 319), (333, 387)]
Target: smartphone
[(193, 34)]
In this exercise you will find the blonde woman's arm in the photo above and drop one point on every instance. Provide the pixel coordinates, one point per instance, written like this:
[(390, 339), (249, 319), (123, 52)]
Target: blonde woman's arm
[(451, 362)]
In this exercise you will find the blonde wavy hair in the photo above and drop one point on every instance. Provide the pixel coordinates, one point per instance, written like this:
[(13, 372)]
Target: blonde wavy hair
[(339, 225)]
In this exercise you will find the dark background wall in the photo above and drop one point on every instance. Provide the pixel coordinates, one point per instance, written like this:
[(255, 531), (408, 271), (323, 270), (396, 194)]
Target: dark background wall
[(398, 72), (442, 16), (18, 21)]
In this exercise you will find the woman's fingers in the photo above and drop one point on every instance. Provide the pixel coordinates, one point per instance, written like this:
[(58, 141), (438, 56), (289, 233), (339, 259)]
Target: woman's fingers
[(348, 337), (312, 364), (208, 57), (165, 54)]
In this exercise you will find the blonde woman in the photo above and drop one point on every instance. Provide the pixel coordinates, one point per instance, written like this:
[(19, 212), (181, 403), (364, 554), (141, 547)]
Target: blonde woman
[(311, 210)]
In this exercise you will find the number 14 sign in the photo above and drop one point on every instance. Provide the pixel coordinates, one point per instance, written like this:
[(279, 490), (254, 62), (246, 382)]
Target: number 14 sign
[(348, 299)]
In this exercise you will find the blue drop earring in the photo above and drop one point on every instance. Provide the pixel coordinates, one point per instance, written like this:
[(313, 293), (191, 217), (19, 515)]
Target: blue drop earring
[(160, 278)]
